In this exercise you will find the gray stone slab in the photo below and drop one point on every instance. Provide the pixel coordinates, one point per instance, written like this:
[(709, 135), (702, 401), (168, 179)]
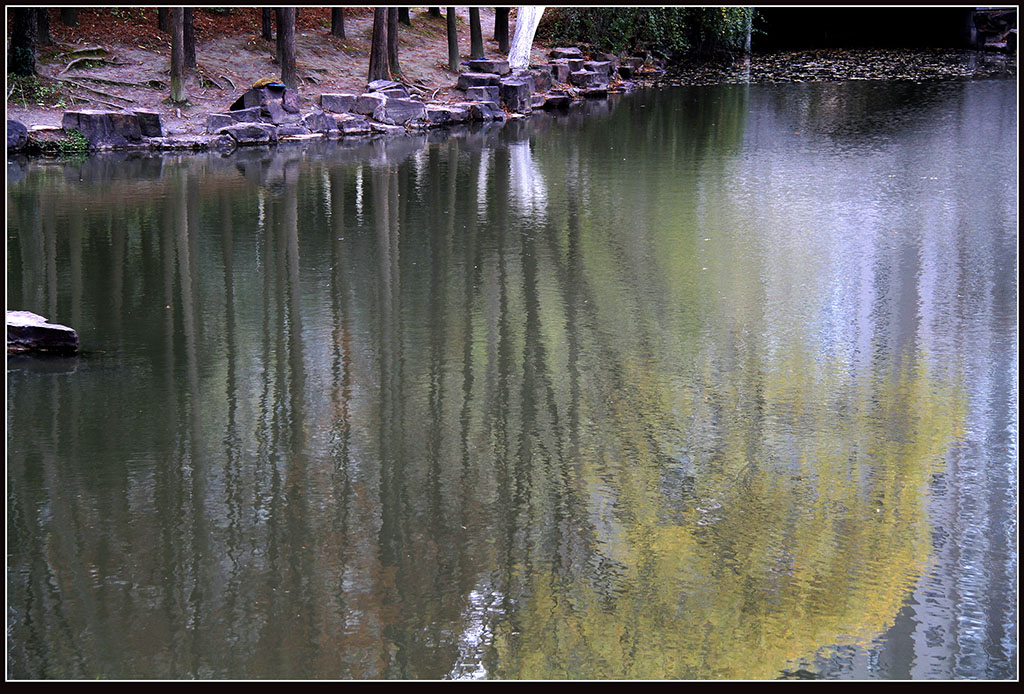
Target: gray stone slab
[(338, 103)]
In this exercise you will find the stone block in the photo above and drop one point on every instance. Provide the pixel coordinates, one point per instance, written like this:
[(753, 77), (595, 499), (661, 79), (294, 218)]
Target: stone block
[(602, 66), (477, 79), (515, 93), (575, 64), (626, 72), (337, 103), (292, 130), (491, 93), (251, 133), (401, 111), (350, 125), (542, 79), (560, 71), (104, 129), (556, 101), (588, 79), (567, 52), (319, 122), (497, 67), (216, 121), (438, 115), (595, 92), (149, 123), (367, 104)]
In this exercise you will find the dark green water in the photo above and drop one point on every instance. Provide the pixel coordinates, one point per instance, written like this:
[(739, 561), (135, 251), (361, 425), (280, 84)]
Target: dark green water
[(703, 383)]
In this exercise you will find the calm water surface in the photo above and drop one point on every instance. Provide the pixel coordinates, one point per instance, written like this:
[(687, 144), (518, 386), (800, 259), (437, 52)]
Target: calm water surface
[(702, 383)]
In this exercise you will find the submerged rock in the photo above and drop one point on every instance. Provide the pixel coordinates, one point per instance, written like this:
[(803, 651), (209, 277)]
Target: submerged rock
[(29, 332)]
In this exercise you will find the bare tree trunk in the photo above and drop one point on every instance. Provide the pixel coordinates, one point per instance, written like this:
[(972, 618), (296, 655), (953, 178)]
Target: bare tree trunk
[(338, 22), (501, 28), (379, 46), (403, 16), (69, 16), (476, 35), (163, 19), (522, 41), (434, 11), (266, 24), (396, 70), (188, 29), (178, 94), (286, 46), (43, 27), (453, 41), (21, 51)]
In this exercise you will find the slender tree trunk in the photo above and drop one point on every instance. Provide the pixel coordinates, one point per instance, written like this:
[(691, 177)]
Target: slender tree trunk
[(396, 70), (43, 37), (163, 19), (69, 16), (21, 51), (266, 24), (476, 35), (501, 28), (178, 94), (188, 29), (403, 16), (379, 46), (338, 22), (434, 11), (453, 41), (286, 46)]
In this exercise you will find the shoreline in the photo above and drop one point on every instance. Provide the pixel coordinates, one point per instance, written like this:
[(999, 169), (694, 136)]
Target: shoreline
[(389, 108)]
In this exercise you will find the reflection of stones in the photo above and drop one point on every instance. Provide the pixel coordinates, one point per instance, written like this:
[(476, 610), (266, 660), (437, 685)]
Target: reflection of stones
[(29, 332)]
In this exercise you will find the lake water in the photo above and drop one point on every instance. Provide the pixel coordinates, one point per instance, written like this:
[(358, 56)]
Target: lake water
[(699, 383)]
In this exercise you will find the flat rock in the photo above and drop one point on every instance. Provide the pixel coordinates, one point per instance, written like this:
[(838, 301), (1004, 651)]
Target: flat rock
[(29, 332), (566, 52)]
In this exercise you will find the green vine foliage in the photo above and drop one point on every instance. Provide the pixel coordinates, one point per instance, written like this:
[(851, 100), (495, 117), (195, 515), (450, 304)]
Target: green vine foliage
[(673, 31)]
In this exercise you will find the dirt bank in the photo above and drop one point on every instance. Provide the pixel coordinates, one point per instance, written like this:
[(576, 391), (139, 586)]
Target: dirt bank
[(231, 55)]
